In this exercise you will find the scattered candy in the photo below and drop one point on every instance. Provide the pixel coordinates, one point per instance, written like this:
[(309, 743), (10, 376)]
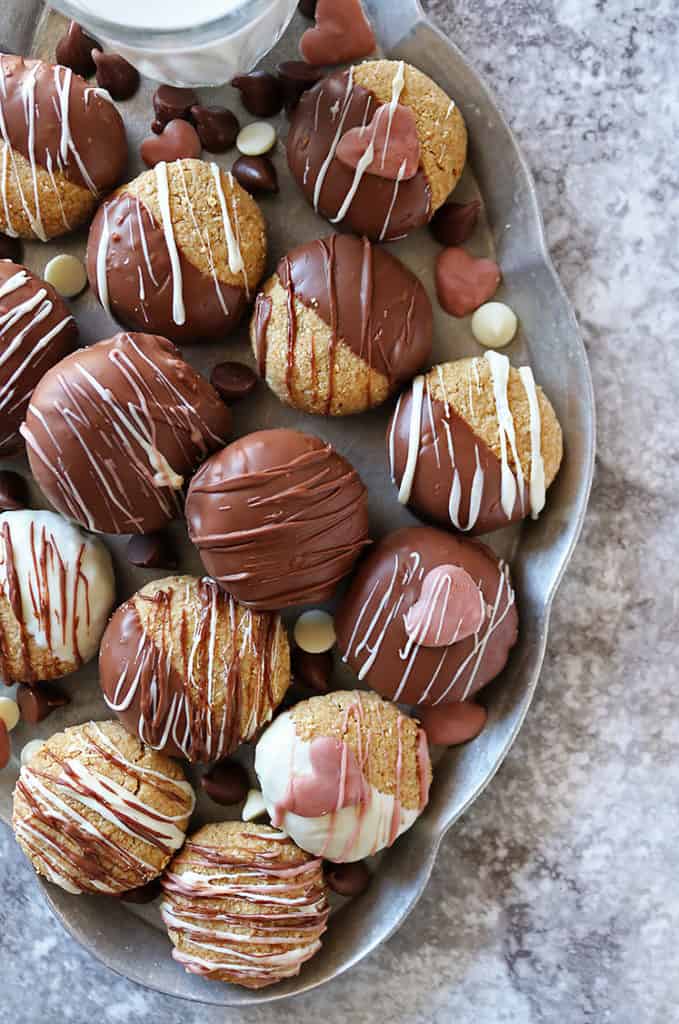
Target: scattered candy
[(261, 93), (13, 491), (254, 806), (312, 670), (217, 127), (315, 631), (37, 702), (116, 75), (170, 103), (66, 274), (9, 712), (150, 551), (74, 50), (226, 783), (10, 248), (256, 138), (157, 126), (348, 879), (341, 33), (307, 8), (450, 724), (463, 282), (392, 139), (454, 223), (5, 745), (30, 749), (143, 893), (494, 324), (256, 174), (449, 609), (296, 76), (233, 381), (178, 140)]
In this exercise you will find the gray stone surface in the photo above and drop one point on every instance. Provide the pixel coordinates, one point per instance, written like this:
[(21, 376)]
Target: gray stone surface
[(555, 899)]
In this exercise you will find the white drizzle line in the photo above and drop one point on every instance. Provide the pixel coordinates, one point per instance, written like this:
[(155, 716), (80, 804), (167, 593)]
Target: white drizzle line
[(102, 252), (413, 441), (321, 176), (537, 465), (392, 204), (235, 256), (178, 311), (499, 369)]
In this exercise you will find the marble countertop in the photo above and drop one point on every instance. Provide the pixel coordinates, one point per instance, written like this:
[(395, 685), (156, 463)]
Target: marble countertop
[(555, 898)]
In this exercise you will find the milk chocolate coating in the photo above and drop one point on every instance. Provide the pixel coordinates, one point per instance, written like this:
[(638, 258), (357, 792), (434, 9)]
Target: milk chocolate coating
[(37, 330), (114, 430), (313, 130), (279, 518), (95, 141), (371, 634), (148, 306)]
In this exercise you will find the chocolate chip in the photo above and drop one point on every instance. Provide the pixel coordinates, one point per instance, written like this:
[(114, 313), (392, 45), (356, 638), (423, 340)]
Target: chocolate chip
[(170, 102), (312, 670), (37, 702), (255, 174), (178, 140), (5, 745), (454, 223), (10, 248), (307, 8), (143, 893), (217, 127), (13, 491), (151, 551), (116, 75), (226, 783), (348, 879), (157, 126), (296, 76), (233, 380), (261, 93), (74, 50)]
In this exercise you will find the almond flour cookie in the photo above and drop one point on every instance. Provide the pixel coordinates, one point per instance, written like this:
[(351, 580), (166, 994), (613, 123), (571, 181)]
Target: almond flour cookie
[(474, 444), (340, 326), (113, 431), (243, 904), (377, 148), (191, 672), (36, 331), (96, 811), (344, 774), (179, 251), (62, 146), (56, 591)]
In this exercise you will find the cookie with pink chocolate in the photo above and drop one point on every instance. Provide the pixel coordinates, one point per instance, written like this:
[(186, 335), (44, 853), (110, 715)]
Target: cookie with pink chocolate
[(429, 619), (377, 148)]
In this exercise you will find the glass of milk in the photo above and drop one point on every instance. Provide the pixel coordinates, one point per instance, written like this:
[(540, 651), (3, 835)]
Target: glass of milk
[(185, 42)]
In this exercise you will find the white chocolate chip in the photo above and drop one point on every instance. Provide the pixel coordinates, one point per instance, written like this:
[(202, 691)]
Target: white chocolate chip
[(30, 750), (66, 274), (9, 712), (256, 138), (315, 632), (254, 806), (494, 324)]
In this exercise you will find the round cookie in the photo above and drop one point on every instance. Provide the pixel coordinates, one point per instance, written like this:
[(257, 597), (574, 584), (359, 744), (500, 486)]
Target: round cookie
[(113, 430), (279, 518), (56, 592), (62, 146), (344, 774), (36, 331), (474, 444), (429, 618), (340, 326), (96, 811), (179, 251), (365, 200), (243, 904), (189, 671)]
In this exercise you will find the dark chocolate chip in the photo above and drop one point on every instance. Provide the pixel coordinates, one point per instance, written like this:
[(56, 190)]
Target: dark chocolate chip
[(233, 380), (170, 102), (261, 93), (151, 551), (255, 174), (13, 491), (143, 893), (348, 879), (226, 783), (74, 50), (312, 670), (157, 126), (307, 8), (116, 75), (10, 248), (5, 745), (217, 127), (454, 223), (37, 702), (296, 76)]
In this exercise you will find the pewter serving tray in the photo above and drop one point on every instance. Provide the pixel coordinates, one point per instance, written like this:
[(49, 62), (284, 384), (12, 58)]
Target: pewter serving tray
[(131, 940)]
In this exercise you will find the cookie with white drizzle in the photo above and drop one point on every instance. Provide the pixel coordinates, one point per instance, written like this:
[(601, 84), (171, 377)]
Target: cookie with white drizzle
[(474, 444), (114, 431), (178, 251), (36, 331), (96, 811), (191, 672), (405, 115), (429, 617), (62, 147), (243, 904)]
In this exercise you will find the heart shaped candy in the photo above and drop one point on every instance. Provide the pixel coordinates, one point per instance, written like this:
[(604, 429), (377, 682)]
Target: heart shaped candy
[(463, 282), (178, 140), (450, 724), (450, 608), (342, 33), (396, 147)]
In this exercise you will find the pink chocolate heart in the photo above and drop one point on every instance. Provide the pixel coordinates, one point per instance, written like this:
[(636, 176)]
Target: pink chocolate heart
[(463, 282), (341, 33), (450, 608), (450, 724), (178, 140), (392, 133)]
